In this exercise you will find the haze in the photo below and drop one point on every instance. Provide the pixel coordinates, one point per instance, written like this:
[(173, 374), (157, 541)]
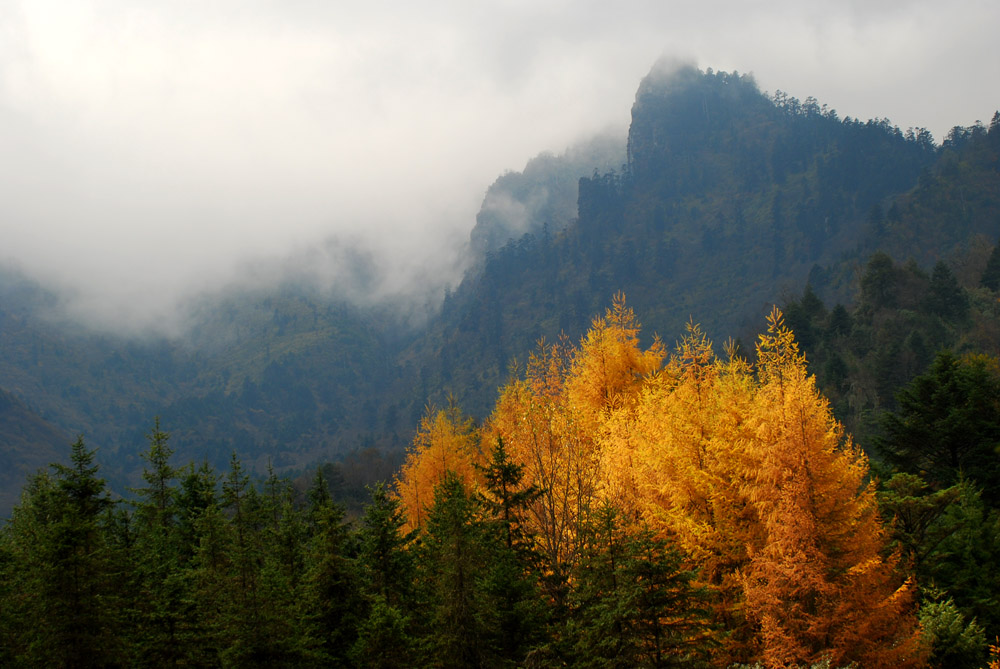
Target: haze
[(150, 151)]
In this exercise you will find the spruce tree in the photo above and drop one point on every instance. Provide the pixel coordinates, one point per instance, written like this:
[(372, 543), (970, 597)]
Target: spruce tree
[(65, 592), (330, 598), (633, 604), (387, 570), (163, 598), (991, 275), (511, 578), (452, 563)]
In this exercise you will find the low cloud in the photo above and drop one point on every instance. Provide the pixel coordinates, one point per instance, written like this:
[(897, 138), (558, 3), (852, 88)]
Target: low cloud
[(152, 151)]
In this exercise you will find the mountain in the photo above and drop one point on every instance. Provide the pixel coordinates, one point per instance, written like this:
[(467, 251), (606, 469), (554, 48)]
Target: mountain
[(728, 201)]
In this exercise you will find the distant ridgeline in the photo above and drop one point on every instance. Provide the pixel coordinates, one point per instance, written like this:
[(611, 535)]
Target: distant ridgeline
[(729, 201)]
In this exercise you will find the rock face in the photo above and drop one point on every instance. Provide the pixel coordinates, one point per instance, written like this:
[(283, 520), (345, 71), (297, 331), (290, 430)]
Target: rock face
[(542, 197)]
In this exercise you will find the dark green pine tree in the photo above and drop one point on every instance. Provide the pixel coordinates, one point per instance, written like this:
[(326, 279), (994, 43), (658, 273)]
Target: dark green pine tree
[(518, 615), (991, 275), (164, 636), (879, 284), (282, 572), (330, 597), (285, 536), (8, 599), (260, 624), (452, 562), (839, 324), (966, 563), (212, 577), (198, 492), (387, 570), (386, 565), (948, 425), (951, 542), (65, 602), (945, 298), (632, 605)]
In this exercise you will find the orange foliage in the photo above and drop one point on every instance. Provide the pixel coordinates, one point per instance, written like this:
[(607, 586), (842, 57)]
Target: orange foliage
[(683, 446), (550, 421), (609, 367), (750, 474), (744, 468), (446, 441), (817, 585)]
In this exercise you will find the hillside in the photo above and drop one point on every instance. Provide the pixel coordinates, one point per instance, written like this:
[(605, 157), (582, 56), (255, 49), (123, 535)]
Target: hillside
[(27, 443)]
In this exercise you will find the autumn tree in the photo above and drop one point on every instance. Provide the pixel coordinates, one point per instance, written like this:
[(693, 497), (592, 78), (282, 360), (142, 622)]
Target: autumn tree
[(747, 469), (609, 366), (550, 420), (679, 458), (546, 438), (817, 585), (446, 441)]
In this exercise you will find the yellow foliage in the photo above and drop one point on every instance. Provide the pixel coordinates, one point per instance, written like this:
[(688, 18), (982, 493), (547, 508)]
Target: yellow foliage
[(609, 367), (446, 441), (557, 454), (746, 469), (742, 466), (551, 419), (817, 584)]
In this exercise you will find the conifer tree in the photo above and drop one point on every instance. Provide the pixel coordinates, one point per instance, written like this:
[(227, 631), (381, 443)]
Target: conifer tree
[(818, 584), (609, 366), (330, 593), (387, 570), (163, 596), (511, 576), (633, 604), (386, 564), (197, 493), (991, 275), (948, 424), (452, 562), (66, 601)]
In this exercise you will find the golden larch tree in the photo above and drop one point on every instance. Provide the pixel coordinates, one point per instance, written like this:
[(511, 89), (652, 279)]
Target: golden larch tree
[(818, 585), (445, 441), (609, 367), (546, 438), (683, 449)]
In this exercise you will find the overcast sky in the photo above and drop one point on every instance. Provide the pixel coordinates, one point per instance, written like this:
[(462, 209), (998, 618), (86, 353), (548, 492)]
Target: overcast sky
[(151, 149)]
